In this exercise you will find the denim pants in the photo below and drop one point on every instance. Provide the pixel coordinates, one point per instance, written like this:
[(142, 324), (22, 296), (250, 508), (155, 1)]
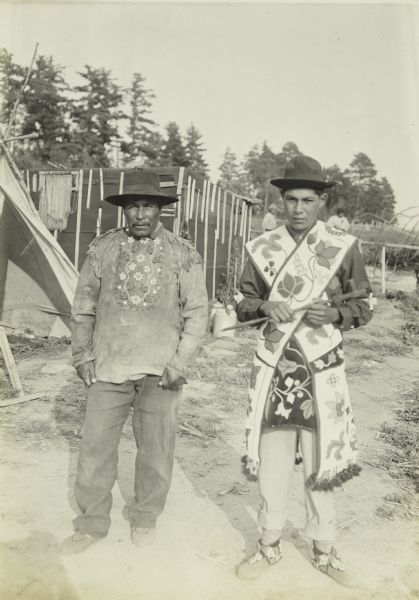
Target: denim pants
[(277, 460), (154, 423)]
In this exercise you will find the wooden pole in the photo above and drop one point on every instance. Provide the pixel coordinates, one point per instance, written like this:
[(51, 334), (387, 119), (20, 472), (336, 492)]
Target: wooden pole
[(178, 207), (101, 184), (13, 374), (207, 206), (218, 209), (120, 191), (99, 212), (242, 218), (188, 199), (10, 363), (196, 218), (214, 191), (214, 264), (204, 197), (383, 270), (244, 230), (78, 220), (98, 222), (249, 233), (20, 94), (216, 238), (230, 235), (223, 232), (89, 189), (236, 216), (192, 200)]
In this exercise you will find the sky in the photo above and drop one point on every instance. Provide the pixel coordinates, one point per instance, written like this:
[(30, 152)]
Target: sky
[(337, 79)]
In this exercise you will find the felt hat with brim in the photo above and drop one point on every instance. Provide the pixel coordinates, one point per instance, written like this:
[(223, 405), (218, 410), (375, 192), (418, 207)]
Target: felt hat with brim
[(141, 185), (303, 172)]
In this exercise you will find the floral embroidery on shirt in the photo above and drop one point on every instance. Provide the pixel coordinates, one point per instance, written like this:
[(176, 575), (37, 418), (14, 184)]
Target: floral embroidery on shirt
[(138, 272)]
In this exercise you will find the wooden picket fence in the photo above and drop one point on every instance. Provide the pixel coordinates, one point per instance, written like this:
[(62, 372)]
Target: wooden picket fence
[(215, 219)]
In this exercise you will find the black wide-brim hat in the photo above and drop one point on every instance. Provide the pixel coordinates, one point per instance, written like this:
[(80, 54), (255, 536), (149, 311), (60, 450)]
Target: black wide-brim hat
[(139, 185), (303, 172)]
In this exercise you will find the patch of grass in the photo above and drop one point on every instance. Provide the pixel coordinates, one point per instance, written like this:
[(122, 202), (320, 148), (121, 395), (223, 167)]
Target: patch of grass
[(409, 303), (24, 346), (401, 459)]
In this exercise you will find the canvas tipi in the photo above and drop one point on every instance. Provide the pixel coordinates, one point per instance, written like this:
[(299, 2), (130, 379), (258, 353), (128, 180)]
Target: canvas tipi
[(37, 279)]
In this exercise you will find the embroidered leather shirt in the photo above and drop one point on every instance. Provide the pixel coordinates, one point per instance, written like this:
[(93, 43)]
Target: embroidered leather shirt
[(140, 305)]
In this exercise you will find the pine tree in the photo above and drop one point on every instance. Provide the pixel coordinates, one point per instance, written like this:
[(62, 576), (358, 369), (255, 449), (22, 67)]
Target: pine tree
[(96, 116), (155, 148), (44, 108), (141, 129), (388, 200), (12, 77), (47, 106), (174, 153), (194, 151), (362, 171), (262, 166), (290, 150), (360, 191), (231, 174)]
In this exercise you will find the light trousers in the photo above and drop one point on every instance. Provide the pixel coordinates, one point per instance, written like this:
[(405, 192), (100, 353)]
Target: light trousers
[(277, 459)]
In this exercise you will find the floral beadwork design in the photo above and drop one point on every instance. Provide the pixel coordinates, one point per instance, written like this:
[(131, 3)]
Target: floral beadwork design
[(270, 268), (138, 272), (268, 245), (272, 336), (290, 286), (336, 408), (325, 254), (290, 399), (333, 358)]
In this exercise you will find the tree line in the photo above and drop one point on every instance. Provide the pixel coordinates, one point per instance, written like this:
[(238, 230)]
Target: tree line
[(99, 123)]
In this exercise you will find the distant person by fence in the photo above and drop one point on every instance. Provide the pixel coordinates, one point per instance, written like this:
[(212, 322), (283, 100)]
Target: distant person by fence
[(269, 220), (339, 221)]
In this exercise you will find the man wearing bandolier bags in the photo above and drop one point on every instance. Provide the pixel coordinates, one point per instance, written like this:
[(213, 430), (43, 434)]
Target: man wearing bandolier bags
[(308, 281)]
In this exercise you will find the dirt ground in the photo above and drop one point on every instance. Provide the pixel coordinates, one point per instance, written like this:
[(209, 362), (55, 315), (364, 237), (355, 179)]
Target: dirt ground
[(210, 520)]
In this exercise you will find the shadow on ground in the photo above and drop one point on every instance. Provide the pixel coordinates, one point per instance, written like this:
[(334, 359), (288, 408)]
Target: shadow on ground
[(31, 569)]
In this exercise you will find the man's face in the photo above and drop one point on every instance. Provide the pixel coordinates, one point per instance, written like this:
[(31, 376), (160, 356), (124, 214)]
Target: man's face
[(142, 217), (302, 207)]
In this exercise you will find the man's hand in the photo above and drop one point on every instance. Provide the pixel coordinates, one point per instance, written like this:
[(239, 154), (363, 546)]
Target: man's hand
[(86, 372), (277, 311), (171, 379), (321, 314)]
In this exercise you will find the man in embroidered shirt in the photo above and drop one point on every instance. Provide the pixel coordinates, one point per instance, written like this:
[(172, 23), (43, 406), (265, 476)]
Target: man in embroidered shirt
[(139, 316), (298, 393)]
